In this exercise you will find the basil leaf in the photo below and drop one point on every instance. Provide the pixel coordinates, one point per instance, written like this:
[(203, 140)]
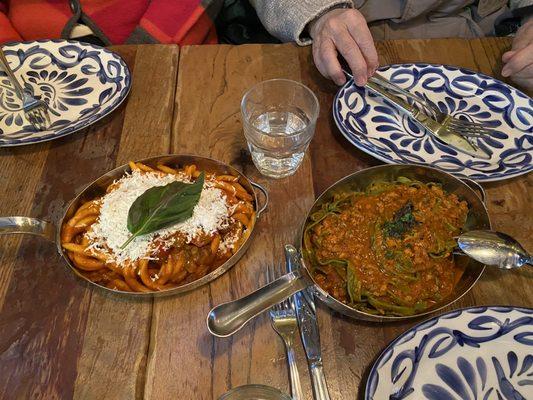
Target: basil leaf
[(162, 206), (403, 221)]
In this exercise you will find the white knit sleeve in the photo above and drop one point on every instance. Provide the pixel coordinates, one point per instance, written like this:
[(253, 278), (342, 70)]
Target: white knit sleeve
[(287, 19)]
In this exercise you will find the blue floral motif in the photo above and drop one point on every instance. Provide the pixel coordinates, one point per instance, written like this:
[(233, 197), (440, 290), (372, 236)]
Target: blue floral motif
[(80, 82), (377, 127), (478, 353), (469, 382)]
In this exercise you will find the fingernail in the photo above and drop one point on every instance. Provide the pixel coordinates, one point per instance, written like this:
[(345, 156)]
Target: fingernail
[(505, 71), (507, 54)]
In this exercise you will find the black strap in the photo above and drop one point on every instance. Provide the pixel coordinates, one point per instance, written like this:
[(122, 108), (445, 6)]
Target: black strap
[(79, 17), (90, 39), (523, 12), (238, 23)]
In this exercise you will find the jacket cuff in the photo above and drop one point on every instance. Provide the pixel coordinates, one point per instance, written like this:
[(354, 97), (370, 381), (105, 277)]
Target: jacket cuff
[(290, 23), (304, 38)]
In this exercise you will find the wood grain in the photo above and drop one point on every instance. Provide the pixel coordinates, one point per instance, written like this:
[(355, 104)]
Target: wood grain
[(355, 344), (180, 340), (112, 363), (64, 339), (20, 170), (45, 306)]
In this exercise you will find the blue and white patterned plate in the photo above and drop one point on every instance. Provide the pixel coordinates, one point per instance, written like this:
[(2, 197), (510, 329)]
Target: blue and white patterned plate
[(81, 83), (381, 130), (482, 353)]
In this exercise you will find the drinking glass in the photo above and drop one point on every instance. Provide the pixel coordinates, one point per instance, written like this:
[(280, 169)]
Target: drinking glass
[(279, 118), (255, 392)]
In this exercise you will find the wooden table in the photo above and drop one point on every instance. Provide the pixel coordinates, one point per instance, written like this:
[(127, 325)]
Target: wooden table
[(61, 338)]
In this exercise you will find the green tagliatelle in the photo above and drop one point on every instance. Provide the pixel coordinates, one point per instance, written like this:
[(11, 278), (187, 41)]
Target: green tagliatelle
[(403, 274)]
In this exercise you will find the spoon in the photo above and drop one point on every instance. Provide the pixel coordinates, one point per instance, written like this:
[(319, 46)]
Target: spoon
[(494, 248)]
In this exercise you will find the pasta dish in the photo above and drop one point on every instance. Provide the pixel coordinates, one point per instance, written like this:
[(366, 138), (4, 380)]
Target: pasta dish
[(95, 237), (387, 250)]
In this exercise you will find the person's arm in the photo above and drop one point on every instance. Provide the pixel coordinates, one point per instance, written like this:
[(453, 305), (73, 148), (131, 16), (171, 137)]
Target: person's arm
[(344, 32), (7, 32), (518, 62), (288, 19), (332, 26)]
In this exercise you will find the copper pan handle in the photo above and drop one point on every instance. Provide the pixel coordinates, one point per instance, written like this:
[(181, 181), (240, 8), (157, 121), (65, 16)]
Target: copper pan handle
[(25, 225)]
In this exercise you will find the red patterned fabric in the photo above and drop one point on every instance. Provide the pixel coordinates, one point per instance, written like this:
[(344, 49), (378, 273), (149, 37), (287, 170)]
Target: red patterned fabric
[(121, 21)]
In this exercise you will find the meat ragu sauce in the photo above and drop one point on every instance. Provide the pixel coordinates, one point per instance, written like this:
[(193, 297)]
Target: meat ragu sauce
[(387, 250)]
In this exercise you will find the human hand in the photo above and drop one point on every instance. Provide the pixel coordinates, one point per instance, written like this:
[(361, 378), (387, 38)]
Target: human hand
[(343, 31), (519, 60)]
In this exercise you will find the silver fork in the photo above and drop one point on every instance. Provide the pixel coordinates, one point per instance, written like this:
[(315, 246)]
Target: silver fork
[(36, 111), (468, 129), (427, 122), (450, 125), (283, 321)]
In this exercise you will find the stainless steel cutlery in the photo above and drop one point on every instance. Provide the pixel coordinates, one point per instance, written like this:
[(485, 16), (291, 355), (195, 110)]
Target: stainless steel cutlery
[(283, 321), (304, 305), (467, 129), (460, 134), (298, 314), (445, 130), (36, 111)]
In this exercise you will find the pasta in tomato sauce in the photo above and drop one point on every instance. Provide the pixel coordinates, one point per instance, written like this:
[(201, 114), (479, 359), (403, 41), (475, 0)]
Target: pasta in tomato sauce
[(170, 257), (387, 250)]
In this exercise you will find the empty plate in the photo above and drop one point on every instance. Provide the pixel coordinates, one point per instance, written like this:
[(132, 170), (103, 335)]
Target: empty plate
[(80, 82), (381, 130), (480, 353)]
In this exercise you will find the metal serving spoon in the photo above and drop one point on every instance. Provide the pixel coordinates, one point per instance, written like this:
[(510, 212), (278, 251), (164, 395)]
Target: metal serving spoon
[(494, 248)]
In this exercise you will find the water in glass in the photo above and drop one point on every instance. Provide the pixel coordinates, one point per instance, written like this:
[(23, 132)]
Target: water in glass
[(274, 153), (279, 118)]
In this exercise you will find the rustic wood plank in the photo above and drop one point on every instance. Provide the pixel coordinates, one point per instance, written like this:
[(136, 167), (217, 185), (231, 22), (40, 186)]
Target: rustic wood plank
[(45, 306), (65, 339), (351, 346), (335, 157), (509, 202), (332, 155), (207, 123), (112, 363), (20, 170)]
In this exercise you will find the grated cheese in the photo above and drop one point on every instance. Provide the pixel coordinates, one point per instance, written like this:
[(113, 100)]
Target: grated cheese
[(110, 230), (228, 243)]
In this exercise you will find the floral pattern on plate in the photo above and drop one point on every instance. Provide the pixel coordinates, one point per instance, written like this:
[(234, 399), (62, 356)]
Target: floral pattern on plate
[(377, 127), (480, 353), (80, 82)]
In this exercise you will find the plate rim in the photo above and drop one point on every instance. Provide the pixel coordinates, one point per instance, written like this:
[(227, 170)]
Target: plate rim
[(90, 121), (415, 329), (386, 160)]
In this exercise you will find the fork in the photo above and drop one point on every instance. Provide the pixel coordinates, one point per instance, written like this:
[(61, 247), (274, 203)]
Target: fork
[(283, 321), (36, 111), (465, 128), (450, 125), (426, 122)]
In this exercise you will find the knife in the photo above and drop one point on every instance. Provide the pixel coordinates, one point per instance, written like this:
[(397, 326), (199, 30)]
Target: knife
[(380, 86), (309, 333), (425, 122)]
